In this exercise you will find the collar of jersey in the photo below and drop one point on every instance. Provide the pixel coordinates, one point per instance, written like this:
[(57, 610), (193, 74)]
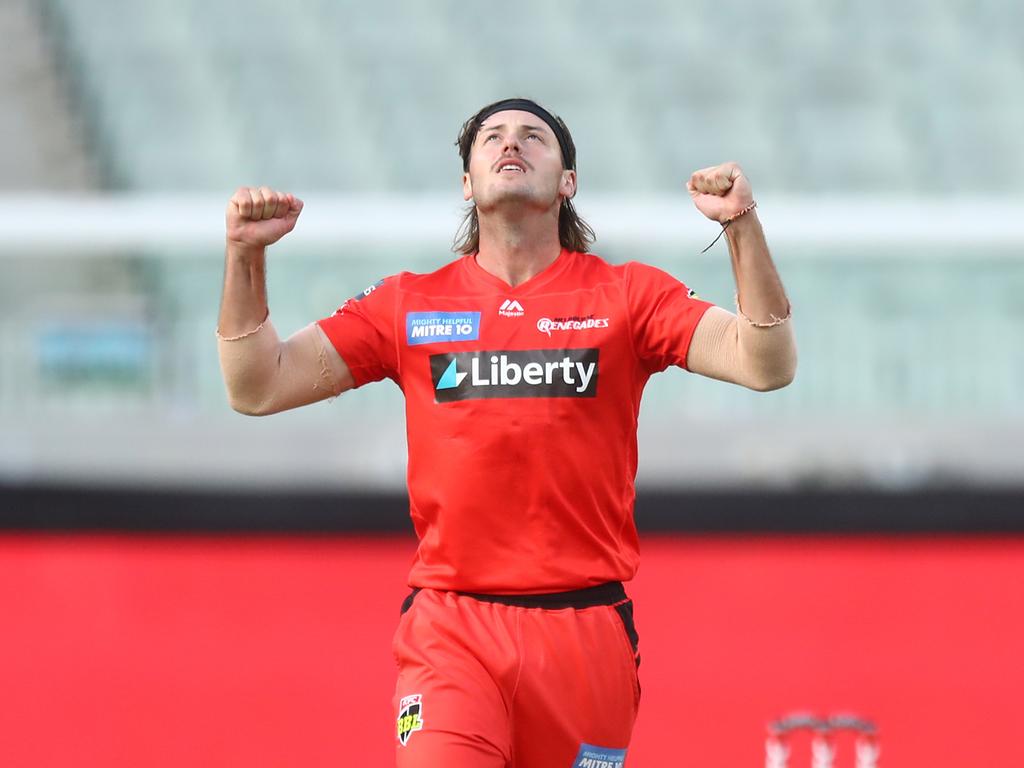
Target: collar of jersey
[(542, 278)]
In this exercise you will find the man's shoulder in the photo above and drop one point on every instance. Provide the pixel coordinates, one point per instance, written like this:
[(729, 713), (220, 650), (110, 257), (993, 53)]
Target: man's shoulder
[(592, 268), (442, 279), (641, 272)]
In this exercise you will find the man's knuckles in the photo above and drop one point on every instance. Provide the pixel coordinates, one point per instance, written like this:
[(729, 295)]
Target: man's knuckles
[(268, 203), (715, 183), (256, 204)]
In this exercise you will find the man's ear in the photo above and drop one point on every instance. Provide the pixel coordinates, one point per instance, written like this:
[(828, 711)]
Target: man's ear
[(568, 186), (467, 187)]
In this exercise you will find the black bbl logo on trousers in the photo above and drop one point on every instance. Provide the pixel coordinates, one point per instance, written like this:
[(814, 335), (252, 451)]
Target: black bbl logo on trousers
[(410, 717), (518, 373)]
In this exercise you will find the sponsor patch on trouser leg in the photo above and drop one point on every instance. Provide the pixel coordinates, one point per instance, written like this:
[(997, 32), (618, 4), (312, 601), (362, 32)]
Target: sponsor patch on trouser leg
[(410, 717), (590, 756)]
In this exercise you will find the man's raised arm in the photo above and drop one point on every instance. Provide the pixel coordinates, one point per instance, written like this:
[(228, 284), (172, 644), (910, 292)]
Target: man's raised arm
[(262, 373), (755, 349)]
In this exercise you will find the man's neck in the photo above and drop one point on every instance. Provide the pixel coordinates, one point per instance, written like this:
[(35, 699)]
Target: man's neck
[(514, 250)]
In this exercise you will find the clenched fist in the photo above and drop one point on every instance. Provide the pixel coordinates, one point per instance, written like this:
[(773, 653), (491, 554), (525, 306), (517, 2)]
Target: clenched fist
[(720, 191), (260, 216)]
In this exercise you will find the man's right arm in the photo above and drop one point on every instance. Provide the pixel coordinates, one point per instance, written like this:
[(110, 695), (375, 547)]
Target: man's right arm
[(263, 374)]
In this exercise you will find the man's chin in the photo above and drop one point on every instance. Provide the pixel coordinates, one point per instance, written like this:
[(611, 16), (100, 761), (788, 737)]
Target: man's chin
[(513, 197)]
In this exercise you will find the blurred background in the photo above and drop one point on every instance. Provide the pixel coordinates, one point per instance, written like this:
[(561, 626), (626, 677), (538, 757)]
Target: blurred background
[(182, 583)]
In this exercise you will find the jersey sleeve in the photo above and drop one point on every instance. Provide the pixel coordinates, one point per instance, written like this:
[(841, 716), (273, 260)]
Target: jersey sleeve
[(362, 331), (664, 313)]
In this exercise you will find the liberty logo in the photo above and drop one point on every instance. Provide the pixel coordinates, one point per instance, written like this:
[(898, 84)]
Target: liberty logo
[(519, 373), (451, 377), (511, 308)]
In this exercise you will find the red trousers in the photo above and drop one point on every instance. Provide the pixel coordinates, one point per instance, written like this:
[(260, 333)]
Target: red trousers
[(549, 681)]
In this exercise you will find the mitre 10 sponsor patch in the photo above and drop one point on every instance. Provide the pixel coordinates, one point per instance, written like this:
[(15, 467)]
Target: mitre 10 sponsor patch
[(516, 373), (590, 756), (433, 327)]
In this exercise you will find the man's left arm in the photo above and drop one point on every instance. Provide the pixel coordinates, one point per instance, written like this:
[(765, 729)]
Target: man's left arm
[(755, 347)]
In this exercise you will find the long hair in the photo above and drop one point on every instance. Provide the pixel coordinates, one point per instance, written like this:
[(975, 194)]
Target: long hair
[(573, 232)]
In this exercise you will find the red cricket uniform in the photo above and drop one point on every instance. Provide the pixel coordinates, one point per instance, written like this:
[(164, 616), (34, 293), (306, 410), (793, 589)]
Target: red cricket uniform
[(521, 406)]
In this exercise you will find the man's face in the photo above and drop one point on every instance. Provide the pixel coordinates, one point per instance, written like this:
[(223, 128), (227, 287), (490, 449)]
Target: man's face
[(516, 160)]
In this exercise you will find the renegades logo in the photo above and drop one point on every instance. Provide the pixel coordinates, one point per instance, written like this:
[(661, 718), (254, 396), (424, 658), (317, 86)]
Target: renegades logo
[(410, 717)]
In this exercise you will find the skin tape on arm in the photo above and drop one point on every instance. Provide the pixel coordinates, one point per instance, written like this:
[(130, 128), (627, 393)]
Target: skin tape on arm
[(264, 375), (730, 348)]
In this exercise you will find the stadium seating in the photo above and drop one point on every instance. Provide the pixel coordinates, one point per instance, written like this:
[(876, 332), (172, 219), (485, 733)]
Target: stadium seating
[(817, 99), (369, 96)]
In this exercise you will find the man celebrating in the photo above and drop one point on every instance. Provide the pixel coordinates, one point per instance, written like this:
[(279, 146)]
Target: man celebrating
[(522, 363)]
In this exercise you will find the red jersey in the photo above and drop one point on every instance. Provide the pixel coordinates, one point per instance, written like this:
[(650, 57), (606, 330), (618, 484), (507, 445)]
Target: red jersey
[(521, 411)]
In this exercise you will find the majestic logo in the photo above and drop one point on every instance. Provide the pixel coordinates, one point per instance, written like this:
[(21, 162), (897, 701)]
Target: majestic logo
[(547, 325), (511, 308), (590, 756), (410, 717), (692, 294), (368, 290), (431, 327), (520, 373)]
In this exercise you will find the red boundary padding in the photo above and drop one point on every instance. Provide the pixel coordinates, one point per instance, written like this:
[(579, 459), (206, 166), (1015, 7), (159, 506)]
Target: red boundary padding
[(158, 651)]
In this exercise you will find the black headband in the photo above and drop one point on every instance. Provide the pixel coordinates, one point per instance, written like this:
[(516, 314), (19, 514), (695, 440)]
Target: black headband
[(525, 105)]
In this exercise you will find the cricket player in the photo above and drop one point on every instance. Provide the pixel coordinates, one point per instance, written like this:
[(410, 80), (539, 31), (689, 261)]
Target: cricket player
[(522, 363)]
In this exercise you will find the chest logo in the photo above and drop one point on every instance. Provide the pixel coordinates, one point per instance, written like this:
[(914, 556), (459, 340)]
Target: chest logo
[(511, 308), (514, 373), (547, 325), (433, 327)]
